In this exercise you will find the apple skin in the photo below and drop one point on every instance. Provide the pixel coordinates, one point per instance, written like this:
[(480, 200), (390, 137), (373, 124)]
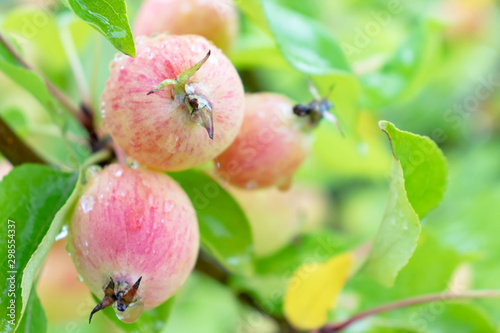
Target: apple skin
[(216, 20), (270, 146), (156, 130), (131, 223)]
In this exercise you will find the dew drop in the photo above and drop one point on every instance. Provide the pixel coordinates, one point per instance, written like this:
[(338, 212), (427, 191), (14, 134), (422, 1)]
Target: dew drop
[(103, 113), (87, 203), (169, 206), (86, 244), (118, 173), (63, 234), (79, 278), (132, 313), (122, 67), (92, 171)]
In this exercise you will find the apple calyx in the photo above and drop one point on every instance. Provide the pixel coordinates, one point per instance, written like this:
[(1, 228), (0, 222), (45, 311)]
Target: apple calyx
[(200, 109), (122, 298)]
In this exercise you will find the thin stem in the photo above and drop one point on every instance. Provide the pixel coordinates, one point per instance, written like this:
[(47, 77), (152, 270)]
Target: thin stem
[(98, 157), (75, 63), (14, 149), (407, 303), (65, 101), (96, 62)]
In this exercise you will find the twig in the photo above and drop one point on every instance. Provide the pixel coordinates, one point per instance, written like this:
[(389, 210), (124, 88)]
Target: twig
[(59, 95), (407, 303), (14, 149)]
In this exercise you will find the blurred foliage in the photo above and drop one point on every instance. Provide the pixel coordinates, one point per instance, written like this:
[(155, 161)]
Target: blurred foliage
[(429, 67)]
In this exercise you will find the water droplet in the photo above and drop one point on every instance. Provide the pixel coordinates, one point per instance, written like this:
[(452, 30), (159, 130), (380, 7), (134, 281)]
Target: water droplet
[(131, 313), (118, 173), (86, 244), (162, 221), (169, 206), (79, 278), (103, 113), (92, 171), (122, 67), (87, 203), (133, 164), (63, 234)]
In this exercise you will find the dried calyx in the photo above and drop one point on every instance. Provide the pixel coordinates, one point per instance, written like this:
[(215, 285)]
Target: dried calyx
[(122, 297), (200, 109), (319, 108)]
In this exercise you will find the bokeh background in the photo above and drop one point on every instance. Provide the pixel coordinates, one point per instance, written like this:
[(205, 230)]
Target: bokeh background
[(430, 67)]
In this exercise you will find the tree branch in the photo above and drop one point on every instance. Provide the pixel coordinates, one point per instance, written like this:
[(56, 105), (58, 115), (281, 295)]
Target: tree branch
[(14, 149), (407, 303)]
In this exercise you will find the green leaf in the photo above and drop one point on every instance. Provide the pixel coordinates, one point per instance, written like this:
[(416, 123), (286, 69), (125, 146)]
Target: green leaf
[(417, 186), (37, 199), (304, 42), (109, 18), (34, 319), (307, 47), (28, 80), (424, 167), (203, 305), (404, 75), (151, 321), (224, 228), (397, 236), (458, 318)]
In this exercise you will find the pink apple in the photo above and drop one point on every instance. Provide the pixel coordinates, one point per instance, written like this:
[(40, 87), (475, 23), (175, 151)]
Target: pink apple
[(272, 144), (133, 223), (181, 124), (216, 20)]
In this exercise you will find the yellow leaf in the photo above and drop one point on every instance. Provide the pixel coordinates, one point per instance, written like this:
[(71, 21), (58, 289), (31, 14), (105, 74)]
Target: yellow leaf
[(313, 289)]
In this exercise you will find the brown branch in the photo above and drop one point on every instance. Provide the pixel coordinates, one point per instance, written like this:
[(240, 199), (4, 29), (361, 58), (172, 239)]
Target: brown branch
[(14, 149), (65, 101), (407, 303)]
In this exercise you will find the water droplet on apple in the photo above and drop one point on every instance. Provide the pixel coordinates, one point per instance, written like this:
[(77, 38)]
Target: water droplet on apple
[(118, 173), (86, 203), (169, 206), (63, 234)]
